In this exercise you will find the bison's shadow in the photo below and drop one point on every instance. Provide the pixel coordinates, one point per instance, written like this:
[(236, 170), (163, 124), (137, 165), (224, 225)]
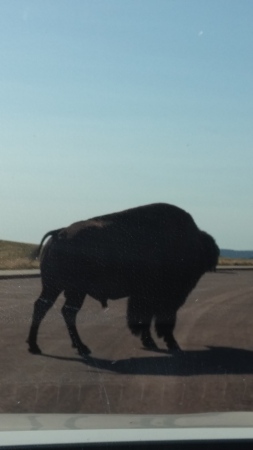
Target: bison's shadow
[(211, 361)]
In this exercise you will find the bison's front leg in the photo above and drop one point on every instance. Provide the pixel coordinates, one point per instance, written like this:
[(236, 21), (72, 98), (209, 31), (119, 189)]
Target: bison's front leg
[(164, 325), (74, 301)]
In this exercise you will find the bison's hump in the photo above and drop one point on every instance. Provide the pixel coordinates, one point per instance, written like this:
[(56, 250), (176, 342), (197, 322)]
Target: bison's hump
[(153, 217)]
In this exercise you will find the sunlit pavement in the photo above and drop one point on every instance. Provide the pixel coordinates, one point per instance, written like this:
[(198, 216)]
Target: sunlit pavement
[(213, 372)]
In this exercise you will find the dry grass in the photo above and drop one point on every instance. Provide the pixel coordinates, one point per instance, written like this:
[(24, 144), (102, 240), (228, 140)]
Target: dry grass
[(15, 255), (235, 262)]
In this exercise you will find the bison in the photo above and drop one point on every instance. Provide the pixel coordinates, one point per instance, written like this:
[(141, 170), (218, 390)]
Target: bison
[(153, 254)]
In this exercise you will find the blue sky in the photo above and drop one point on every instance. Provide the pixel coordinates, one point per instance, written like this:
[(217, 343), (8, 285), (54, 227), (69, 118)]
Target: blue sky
[(109, 104)]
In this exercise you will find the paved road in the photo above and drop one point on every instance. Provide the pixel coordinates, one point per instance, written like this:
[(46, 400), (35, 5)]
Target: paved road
[(214, 372)]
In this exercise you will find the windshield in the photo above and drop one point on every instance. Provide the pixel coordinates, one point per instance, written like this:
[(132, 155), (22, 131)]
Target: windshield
[(126, 146)]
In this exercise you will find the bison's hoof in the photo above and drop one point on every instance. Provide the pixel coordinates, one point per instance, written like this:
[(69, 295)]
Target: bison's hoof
[(84, 351), (35, 350), (174, 348), (149, 344)]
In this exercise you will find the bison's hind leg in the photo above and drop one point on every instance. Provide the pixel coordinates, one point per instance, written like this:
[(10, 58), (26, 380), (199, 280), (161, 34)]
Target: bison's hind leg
[(139, 317), (41, 307), (73, 303), (164, 325)]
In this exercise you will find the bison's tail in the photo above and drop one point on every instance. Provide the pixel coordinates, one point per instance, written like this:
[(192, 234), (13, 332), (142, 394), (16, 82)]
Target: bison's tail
[(36, 253)]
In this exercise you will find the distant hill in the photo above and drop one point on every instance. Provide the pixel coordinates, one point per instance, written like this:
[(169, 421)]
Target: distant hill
[(236, 254), (15, 255)]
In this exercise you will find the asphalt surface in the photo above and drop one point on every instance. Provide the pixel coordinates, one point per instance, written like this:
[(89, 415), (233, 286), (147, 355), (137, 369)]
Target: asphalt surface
[(213, 372)]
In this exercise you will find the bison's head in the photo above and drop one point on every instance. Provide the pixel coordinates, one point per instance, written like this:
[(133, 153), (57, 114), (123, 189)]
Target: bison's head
[(210, 252)]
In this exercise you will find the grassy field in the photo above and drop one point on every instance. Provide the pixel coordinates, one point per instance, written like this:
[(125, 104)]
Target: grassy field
[(235, 262), (15, 255)]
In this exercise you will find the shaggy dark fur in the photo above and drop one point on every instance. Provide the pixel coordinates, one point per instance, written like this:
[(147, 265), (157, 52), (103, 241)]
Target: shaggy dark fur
[(153, 254)]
